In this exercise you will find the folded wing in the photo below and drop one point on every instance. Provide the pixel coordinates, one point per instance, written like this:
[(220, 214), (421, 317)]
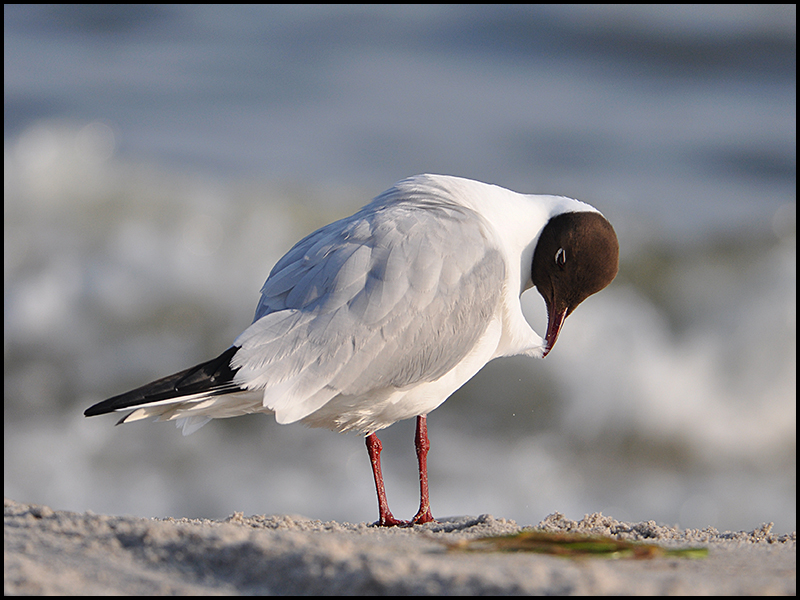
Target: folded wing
[(395, 295)]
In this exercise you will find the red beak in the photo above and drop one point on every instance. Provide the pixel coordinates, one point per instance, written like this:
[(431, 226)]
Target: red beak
[(555, 320)]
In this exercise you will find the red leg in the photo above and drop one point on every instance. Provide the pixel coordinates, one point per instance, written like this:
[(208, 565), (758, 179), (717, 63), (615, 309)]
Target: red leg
[(385, 518), (423, 445)]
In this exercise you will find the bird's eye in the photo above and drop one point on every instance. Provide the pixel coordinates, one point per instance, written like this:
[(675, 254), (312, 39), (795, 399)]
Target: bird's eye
[(561, 257)]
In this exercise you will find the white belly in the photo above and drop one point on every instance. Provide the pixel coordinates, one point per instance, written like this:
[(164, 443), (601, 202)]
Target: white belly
[(371, 412)]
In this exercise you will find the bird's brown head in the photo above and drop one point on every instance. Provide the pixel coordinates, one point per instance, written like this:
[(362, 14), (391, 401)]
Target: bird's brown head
[(577, 255)]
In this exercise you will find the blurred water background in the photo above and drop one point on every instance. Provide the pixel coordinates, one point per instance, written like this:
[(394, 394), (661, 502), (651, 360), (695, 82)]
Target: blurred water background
[(158, 160)]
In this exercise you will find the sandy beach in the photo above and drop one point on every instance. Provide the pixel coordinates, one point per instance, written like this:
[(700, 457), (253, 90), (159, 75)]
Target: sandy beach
[(52, 552)]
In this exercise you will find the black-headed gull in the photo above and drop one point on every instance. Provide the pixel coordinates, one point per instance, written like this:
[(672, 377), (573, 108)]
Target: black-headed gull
[(382, 315)]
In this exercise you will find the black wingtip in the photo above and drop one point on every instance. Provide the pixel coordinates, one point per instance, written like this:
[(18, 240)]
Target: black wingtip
[(215, 374)]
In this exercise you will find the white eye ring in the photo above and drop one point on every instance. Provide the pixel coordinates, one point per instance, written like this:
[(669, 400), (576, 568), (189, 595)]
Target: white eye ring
[(561, 257)]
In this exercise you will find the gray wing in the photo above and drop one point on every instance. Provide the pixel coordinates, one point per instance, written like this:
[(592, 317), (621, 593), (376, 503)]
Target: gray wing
[(395, 295)]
